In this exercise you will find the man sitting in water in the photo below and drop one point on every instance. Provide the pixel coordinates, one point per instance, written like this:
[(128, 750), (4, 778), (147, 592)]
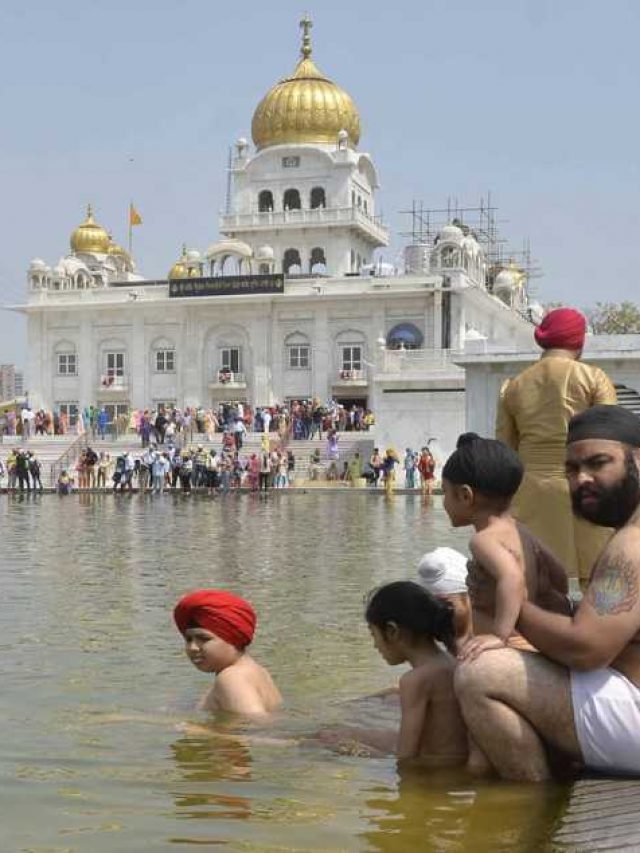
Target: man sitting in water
[(217, 627), (581, 696)]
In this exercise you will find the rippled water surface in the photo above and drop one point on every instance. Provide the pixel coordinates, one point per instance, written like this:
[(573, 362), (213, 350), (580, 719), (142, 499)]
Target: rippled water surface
[(95, 685)]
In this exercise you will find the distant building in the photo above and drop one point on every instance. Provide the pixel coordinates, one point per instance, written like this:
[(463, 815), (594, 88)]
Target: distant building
[(18, 383), (7, 382), (289, 303)]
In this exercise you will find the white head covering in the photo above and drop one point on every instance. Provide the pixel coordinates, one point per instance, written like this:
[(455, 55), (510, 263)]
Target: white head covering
[(443, 572)]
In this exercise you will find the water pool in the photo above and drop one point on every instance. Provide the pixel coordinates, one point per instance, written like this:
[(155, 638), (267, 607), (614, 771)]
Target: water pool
[(88, 647)]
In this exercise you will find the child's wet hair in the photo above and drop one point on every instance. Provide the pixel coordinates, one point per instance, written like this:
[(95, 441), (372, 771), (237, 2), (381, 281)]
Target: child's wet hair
[(486, 465), (410, 606)]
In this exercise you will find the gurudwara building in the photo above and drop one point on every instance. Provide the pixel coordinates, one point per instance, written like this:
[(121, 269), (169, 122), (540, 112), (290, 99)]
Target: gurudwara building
[(291, 302)]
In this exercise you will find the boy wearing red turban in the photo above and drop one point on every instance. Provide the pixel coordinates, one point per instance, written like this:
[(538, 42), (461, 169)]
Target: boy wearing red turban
[(217, 626)]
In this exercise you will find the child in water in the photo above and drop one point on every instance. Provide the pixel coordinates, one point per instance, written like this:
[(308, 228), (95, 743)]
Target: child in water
[(217, 627), (443, 573), (405, 622), (508, 563)]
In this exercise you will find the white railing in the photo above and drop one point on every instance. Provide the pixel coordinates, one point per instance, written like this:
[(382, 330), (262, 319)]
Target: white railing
[(415, 360), (111, 382), (351, 375), (228, 377), (325, 216)]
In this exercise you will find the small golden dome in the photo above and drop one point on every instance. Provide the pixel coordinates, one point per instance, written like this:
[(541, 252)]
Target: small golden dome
[(90, 238), (306, 107), (118, 251), (179, 269)]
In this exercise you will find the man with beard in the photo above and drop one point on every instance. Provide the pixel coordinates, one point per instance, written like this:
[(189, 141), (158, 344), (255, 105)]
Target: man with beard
[(580, 697)]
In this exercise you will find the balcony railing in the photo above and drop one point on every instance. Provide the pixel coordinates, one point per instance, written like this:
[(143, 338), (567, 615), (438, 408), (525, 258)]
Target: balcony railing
[(112, 382), (415, 360), (225, 377), (349, 376), (321, 216)]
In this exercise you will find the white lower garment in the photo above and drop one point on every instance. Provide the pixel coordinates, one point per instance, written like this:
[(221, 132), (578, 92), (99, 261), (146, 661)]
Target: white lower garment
[(606, 711)]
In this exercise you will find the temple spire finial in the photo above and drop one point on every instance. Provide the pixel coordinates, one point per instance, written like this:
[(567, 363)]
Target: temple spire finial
[(305, 25)]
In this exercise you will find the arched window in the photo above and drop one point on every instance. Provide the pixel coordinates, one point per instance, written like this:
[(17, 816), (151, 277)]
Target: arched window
[(163, 356), (291, 200), (359, 202), (405, 336), (291, 263), (264, 269), (353, 198), (353, 260), (297, 351), (318, 198), (317, 261), (365, 207), (265, 201), (65, 359)]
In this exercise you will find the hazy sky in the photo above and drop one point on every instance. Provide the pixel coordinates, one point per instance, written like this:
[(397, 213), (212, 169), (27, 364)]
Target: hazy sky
[(534, 100)]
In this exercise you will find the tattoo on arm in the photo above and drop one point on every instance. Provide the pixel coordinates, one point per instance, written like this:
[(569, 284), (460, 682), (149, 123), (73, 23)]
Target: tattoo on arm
[(614, 586)]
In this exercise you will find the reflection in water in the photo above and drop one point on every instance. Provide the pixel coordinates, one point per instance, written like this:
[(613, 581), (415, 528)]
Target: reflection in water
[(89, 583), (204, 763), (446, 810)]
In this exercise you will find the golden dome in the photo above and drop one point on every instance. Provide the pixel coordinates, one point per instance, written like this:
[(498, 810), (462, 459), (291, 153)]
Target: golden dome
[(179, 269), (118, 251), (306, 107), (90, 238)]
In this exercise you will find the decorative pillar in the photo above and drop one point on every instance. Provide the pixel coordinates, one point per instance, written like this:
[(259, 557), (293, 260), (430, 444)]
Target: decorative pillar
[(89, 377), (322, 354), (437, 319), (138, 367)]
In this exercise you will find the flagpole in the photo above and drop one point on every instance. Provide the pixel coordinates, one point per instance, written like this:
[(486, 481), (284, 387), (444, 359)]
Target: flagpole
[(130, 228)]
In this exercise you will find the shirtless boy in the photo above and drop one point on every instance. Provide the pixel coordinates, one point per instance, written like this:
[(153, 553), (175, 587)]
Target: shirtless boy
[(581, 696), (217, 628), (509, 564)]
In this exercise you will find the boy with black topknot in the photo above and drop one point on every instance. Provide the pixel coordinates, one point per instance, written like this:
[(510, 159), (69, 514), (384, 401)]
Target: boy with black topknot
[(508, 563)]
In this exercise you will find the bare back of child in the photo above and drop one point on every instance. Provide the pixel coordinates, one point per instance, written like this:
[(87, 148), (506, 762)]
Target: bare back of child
[(508, 565), (407, 624), (432, 731)]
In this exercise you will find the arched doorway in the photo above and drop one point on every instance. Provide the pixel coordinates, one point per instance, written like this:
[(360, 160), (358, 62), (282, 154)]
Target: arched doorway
[(291, 263)]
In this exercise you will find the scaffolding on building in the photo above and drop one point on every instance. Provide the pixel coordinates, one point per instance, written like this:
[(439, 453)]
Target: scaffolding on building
[(482, 222)]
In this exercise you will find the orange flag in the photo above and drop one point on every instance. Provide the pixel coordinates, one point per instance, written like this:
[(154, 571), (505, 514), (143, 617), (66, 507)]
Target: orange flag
[(134, 216)]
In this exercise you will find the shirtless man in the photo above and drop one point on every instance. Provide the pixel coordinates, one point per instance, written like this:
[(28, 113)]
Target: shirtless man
[(581, 696), (217, 627)]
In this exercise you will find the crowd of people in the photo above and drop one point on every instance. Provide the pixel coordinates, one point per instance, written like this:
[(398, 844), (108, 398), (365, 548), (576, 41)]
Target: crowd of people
[(168, 467), (22, 470), (301, 419)]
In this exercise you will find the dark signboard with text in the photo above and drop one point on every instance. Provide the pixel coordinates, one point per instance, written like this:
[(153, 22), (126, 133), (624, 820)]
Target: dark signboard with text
[(227, 285)]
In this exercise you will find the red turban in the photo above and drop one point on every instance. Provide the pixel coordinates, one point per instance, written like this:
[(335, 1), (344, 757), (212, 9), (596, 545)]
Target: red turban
[(562, 328), (226, 615)]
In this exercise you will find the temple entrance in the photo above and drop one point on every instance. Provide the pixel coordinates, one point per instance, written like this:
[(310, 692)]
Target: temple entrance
[(348, 402)]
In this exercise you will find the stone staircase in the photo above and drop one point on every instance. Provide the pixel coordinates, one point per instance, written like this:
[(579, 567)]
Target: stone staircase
[(628, 398), (47, 448), (348, 444), (50, 449)]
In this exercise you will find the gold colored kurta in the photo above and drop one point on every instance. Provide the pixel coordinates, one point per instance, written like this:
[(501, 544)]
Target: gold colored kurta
[(533, 413)]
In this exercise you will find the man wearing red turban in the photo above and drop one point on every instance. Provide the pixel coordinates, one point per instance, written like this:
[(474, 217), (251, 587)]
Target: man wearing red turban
[(217, 626), (533, 413), (562, 328)]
